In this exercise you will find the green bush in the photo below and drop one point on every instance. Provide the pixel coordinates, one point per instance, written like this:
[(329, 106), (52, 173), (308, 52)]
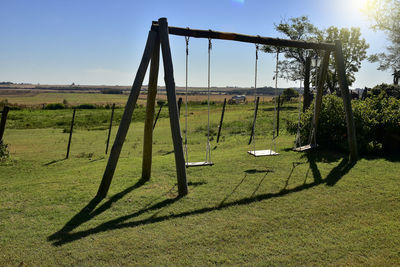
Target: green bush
[(289, 93), (54, 106), (377, 121), (160, 102), (4, 153), (388, 90), (112, 91), (86, 106)]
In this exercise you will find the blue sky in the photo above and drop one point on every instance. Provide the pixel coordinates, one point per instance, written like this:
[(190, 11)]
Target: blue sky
[(101, 42)]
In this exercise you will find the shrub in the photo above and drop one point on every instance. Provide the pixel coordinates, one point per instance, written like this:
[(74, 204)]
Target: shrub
[(112, 91), (55, 106), (160, 102), (388, 90), (289, 93), (86, 106), (205, 102), (4, 153), (377, 121)]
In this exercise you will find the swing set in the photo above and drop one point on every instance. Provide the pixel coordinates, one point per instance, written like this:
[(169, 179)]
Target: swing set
[(159, 37)]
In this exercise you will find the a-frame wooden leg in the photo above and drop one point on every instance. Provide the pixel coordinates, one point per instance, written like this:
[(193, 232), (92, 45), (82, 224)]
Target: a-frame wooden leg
[(344, 89), (173, 107), (127, 116), (150, 103), (320, 90)]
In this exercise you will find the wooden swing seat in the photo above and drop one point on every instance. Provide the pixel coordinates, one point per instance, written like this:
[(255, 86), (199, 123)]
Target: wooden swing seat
[(262, 153), (199, 164), (305, 148)]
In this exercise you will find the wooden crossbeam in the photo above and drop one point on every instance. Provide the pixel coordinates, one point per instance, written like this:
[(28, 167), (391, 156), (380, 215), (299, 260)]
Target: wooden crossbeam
[(245, 38)]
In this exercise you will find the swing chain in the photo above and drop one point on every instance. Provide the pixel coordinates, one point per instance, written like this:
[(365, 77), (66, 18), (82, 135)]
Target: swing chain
[(186, 98), (208, 148), (274, 136), (298, 134), (255, 96)]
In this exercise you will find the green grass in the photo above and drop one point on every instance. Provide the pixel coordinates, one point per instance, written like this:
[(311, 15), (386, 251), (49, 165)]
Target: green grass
[(293, 209), (38, 99)]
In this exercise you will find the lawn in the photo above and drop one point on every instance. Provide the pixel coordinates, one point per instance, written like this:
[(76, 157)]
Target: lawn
[(294, 209)]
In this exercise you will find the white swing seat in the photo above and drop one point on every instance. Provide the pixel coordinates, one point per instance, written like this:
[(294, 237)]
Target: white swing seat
[(305, 148), (262, 153), (199, 164)]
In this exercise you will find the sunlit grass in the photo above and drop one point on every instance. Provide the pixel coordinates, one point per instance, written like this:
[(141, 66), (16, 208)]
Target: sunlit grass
[(293, 209)]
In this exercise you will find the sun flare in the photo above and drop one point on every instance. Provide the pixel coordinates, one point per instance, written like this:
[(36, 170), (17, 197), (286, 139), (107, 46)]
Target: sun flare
[(359, 5)]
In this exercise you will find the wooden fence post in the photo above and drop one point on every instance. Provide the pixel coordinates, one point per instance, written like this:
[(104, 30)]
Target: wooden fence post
[(277, 115), (126, 117), (3, 121), (179, 106), (254, 120), (151, 101), (222, 119), (306, 93), (173, 109), (70, 133), (344, 89), (158, 114), (109, 128)]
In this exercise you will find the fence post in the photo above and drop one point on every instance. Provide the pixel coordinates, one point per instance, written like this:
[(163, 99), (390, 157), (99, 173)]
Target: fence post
[(70, 133), (109, 128), (3, 121), (222, 119)]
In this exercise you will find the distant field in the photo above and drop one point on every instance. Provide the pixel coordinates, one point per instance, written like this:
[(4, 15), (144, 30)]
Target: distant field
[(31, 98)]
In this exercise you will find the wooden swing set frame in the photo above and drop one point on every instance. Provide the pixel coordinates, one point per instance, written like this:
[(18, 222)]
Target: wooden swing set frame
[(159, 37)]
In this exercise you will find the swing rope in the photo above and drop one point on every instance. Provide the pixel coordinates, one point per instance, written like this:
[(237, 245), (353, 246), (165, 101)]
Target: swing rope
[(273, 145), (255, 96), (208, 149), (312, 139), (298, 134), (186, 99)]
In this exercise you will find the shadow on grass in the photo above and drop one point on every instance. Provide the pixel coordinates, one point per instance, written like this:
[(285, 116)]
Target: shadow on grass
[(89, 212), (294, 165), (392, 157), (281, 108), (54, 161), (65, 236)]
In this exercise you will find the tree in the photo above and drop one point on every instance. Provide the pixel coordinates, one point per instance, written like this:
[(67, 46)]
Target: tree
[(385, 16), (354, 51), (289, 93), (293, 66), (300, 28)]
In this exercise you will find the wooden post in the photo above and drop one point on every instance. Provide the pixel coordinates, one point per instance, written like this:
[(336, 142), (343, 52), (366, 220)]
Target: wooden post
[(254, 120), (158, 114), (3, 121), (127, 116), (277, 115), (306, 93), (344, 89), (173, 109), (151, 101), (70, 133), (109, 128), (179, 106), (222, 119), (323, 71)]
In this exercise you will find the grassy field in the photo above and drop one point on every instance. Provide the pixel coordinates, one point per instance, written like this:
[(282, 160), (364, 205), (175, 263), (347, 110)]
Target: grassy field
[(38, 99), (293, 209)]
